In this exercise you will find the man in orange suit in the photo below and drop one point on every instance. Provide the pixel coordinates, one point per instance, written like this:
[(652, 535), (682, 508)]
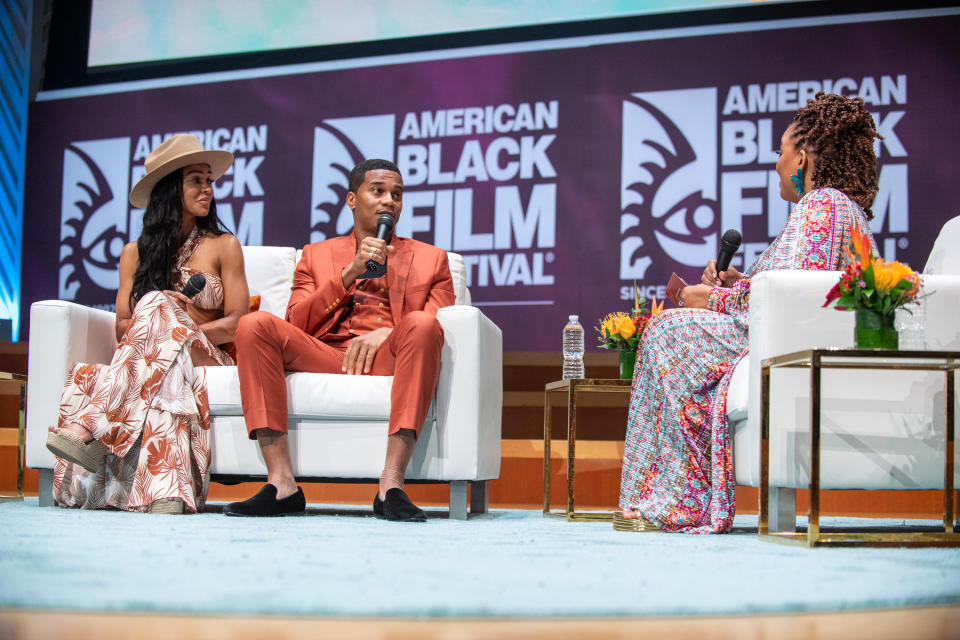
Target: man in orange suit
[(338, 323)]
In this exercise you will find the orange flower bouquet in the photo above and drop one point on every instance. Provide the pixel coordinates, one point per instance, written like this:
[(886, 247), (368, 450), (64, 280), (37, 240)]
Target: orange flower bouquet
[(874, 289), (622, 331)]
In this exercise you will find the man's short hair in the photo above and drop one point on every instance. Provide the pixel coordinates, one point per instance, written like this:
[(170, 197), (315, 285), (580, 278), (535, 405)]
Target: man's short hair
[(359, 173)]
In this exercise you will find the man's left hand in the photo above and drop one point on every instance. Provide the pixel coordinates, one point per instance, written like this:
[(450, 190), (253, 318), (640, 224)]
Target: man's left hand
[(361, 350)]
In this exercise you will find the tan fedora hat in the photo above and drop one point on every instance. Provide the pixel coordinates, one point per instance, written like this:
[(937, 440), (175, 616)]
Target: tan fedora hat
[(175, 153)]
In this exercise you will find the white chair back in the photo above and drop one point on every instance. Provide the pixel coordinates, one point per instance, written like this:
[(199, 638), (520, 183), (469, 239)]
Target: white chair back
[(945, 256), (269, 272), (459, 272)]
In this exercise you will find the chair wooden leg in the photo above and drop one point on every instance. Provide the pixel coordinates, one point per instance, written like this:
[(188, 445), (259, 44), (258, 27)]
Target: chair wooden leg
[(479, 496), (45, 487), (458, 500), (783, 510)]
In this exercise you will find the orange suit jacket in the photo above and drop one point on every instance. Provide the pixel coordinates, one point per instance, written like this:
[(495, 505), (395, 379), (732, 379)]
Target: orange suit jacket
[(418, 278)]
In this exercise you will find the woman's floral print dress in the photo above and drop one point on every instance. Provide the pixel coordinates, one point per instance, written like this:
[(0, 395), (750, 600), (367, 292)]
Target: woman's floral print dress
[(148, 406), (677, 460)]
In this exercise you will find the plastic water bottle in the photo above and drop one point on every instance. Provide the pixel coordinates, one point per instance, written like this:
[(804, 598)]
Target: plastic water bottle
[(911, 324), (573, 349)]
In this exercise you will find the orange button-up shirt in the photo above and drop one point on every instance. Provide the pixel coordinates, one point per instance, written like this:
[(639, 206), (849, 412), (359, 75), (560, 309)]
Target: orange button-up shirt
[(367, 311)]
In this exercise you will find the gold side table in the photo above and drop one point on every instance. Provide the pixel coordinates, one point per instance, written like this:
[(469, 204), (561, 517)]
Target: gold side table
[(816, 360), (572, 388), (10, 435)]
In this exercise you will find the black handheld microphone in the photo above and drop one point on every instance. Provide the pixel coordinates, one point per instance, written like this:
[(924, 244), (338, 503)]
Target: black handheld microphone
[(374, 268), (729, 244), (194, 285)]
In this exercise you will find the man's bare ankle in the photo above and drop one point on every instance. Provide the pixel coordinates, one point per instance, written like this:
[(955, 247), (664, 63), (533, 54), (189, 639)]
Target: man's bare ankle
[(390, 479), (285, 489)]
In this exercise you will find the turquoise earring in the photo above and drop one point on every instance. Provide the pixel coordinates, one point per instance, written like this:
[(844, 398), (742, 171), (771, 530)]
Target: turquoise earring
[(797, 180)]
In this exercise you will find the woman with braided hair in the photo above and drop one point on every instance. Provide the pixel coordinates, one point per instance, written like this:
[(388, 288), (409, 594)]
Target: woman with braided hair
[(677, 460)]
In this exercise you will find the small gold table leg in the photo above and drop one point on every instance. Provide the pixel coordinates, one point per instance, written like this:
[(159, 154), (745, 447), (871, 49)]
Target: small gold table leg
[(22, 380), (571, 446), (948, 505), (547, 437), (21, 454), (813, 526), (764, 524)]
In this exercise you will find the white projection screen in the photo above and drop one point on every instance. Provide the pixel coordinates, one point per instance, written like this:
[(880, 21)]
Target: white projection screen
[(138, 31)]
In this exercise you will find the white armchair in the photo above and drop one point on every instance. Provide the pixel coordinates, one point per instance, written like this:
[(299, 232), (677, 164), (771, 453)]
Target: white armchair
[(880, 429), (337, 432)]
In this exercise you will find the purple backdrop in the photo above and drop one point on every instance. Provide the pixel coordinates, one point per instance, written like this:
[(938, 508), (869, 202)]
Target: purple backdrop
[(561, 176)]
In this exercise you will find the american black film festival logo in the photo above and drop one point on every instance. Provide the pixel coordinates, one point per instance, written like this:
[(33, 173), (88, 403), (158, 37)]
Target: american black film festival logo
[(698, 161), (94, 225), (477, 180), (97, 220)]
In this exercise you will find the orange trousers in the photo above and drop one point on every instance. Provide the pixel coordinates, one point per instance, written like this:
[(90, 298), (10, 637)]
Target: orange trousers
[(267, 346)]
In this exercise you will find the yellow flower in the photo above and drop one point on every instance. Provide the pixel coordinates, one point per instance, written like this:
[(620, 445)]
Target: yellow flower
[(887, 275), (607, 326), (625, 327)]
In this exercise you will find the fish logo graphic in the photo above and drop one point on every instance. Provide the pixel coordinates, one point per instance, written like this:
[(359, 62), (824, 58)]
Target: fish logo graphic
[(94, 224), (668, 196), (338, 145)]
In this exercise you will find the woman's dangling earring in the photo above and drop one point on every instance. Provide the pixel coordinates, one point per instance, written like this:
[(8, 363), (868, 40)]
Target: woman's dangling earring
[(797, 180)]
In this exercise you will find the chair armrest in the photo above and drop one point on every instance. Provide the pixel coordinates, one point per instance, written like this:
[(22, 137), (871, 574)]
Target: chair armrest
[(786, 315), (470, 386), (61, 334)]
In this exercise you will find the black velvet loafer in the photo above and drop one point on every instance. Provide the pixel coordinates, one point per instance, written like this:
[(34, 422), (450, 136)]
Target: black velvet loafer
[(265, 504), (396, 506)]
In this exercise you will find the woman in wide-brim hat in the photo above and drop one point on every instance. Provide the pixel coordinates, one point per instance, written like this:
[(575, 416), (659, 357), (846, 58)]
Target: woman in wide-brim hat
[(133, 434)]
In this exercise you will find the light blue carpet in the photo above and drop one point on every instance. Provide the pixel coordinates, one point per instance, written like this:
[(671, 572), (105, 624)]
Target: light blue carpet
[(507, 563)]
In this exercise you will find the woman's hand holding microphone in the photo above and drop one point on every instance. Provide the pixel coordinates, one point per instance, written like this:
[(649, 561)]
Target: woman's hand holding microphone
[(725, 278)]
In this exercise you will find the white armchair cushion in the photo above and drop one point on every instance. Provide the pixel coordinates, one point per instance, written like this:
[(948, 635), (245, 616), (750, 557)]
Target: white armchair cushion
[(309, 395), (340, 397)]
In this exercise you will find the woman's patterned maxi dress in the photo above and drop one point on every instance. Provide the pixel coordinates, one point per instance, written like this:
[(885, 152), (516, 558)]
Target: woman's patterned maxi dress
[(148, 406), (677, 459)]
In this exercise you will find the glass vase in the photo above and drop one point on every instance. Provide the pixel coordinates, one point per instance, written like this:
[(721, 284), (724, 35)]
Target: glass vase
[(875, 331), (628, 360)]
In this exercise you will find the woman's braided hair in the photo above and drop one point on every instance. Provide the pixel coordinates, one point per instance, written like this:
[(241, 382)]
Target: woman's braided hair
[(839, 132)]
